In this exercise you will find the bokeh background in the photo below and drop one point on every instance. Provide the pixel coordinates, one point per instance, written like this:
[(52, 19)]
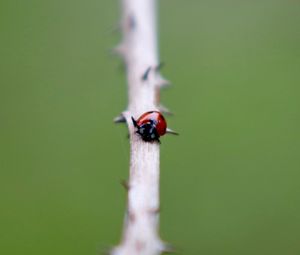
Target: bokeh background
[(229, 182)]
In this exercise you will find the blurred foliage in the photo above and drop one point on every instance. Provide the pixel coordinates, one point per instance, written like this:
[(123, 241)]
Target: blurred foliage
[(229, 183)]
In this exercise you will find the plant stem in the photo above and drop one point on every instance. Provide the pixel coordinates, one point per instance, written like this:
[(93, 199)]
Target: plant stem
[(140, 53)]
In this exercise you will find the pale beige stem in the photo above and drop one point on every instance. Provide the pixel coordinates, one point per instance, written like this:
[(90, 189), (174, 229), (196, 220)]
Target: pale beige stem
[(140, 54)]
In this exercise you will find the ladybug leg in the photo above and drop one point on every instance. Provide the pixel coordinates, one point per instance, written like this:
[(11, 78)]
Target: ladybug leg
[(156, 137), (136, 126), (134, 122)]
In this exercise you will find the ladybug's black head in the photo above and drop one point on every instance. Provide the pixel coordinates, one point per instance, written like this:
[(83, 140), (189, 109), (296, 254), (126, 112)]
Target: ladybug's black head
[(147, 130)]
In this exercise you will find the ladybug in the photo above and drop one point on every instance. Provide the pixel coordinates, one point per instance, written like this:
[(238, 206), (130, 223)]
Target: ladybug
[(151, 125)]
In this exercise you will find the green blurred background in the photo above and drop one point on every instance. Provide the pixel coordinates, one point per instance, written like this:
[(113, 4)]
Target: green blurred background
[(230, 183)]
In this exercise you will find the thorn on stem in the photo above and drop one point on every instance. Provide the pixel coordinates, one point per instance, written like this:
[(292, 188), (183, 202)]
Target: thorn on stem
[(120, 119), (168, 248), (164, 110), (161, 82), (172, 132), (159, 66), (119, 50), (146, 74), (155, 210), (125, 184)]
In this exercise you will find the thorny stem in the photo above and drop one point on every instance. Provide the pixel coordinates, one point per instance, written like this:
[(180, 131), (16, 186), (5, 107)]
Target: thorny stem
[(140, 54)]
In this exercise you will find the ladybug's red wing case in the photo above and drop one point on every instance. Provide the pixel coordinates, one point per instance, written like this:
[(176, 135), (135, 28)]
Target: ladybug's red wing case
[(161, 124)]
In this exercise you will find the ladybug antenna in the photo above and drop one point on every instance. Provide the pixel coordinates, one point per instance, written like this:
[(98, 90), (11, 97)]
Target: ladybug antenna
[(172, 132), (134, 122)]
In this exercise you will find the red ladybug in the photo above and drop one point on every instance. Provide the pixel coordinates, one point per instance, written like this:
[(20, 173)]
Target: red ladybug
[(151, 125)]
